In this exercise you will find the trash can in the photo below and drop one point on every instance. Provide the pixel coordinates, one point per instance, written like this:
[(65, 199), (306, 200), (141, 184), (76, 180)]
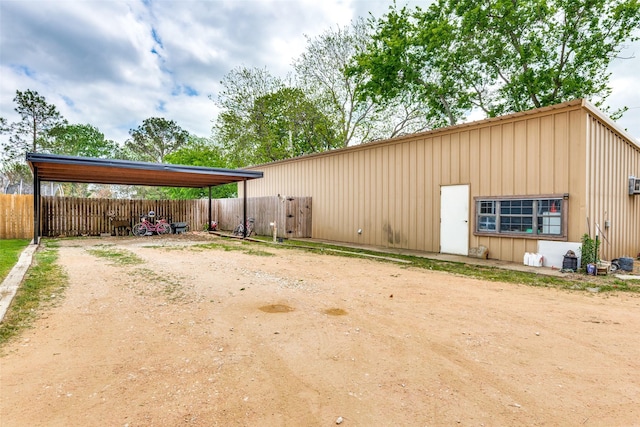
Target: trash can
[(570, 261)]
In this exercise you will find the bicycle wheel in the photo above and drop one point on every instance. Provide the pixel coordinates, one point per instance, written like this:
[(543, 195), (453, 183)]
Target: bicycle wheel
[(139, 229), (163, 228)]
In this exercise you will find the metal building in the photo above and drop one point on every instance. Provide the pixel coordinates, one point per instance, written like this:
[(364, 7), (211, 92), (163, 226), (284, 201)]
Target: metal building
[(527, 182)]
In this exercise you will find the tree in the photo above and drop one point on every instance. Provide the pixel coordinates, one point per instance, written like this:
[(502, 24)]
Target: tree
[(241, 88), (287, 124), (199, 152), (37, 118), (4, 126), (15, 176), (321, 74), (499, 56), (154, 139), (278, 125), (81, 140)]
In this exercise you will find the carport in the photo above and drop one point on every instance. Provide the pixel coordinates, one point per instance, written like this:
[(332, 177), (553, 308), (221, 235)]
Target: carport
[(58, 168)]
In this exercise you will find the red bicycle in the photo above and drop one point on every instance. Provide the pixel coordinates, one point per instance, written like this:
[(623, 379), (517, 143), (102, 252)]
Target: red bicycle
[(145, 226)]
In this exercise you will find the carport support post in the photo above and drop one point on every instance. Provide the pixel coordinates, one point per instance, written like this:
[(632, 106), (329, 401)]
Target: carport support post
[(244, 206), (36, 206), (210, 219)]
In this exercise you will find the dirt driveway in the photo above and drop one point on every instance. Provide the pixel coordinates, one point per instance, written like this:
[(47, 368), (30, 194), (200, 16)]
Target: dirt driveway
[(207, 336)]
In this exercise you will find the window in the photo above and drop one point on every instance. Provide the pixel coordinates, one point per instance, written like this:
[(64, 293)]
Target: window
[(523, 216)]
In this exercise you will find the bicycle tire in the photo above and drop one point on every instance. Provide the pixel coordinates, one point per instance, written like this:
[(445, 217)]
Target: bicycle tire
[(139, 229), (163, 228)]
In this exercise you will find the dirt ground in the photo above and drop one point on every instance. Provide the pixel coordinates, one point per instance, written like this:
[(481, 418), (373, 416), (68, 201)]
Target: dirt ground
[(206, 337)]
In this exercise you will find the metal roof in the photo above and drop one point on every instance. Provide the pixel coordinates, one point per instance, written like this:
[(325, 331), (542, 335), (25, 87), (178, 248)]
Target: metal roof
[(57, 168)]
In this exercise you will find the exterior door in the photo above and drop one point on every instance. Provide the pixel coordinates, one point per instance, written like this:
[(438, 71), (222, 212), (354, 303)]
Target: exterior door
[(454, 219)]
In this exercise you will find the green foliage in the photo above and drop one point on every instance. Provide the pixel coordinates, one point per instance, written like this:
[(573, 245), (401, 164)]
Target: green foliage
[(43, 285), (155, 139), (590, 248), (199, 152), (117, 256), (287, 124), (81, 140), (264, 120), (10, 250), (15, 172), (37, 118), (499, 56), (320, 72)]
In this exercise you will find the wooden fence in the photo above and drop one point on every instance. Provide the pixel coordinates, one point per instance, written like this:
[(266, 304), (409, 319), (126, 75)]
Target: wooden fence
[(70, 216), (16, 216), (291, 215)]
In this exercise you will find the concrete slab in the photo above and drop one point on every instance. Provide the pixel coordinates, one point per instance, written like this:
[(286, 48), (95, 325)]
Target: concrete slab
[(12, 282)]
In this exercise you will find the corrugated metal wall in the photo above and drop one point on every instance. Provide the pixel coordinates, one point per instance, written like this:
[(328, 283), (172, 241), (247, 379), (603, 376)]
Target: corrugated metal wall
[(391, 189), (610, 160)]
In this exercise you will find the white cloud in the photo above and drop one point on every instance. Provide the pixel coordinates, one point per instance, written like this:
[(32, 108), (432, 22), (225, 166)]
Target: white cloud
[(115, 63)]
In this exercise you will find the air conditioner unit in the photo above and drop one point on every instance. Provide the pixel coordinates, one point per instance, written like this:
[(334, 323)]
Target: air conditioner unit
[(634, 185)]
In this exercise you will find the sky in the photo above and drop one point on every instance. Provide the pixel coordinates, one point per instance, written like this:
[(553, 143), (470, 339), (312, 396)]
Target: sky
[(113, 64)]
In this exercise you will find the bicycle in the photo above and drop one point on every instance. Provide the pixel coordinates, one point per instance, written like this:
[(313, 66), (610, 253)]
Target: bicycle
[(240, 229), (145, 226)]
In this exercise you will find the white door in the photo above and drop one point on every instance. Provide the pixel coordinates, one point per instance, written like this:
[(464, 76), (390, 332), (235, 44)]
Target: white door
[(454, 219)]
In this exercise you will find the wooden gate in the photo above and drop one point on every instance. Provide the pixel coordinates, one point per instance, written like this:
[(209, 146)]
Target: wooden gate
[(298, 217)]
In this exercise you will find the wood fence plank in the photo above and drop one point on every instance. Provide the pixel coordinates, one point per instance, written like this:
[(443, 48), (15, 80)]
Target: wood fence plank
[(74, 216)]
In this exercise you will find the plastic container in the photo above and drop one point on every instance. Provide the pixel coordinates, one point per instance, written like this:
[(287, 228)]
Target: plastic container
[(536, 260), (626, 264)]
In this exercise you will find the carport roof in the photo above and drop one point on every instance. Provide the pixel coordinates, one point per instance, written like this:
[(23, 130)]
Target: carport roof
[(57, 168)]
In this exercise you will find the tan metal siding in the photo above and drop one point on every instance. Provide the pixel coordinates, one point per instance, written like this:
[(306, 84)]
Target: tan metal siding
[(610, 162), (391, 189)]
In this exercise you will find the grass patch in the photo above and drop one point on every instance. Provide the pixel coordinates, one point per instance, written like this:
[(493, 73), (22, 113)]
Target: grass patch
[(10, 251), (495, 274), (245, 247), (117, 256), (43, 286)]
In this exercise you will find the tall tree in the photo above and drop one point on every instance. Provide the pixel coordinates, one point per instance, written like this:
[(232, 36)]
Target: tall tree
[(241, 88), (498, 55), (37, 118), (81, 140), (320, 71), (200, 152), (154, 139), (278, 125)]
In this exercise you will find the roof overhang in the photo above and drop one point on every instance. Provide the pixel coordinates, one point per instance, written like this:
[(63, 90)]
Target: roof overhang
[(57, 168)]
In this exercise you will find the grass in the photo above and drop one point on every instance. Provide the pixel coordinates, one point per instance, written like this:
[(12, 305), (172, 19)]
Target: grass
[(10, 251), (46, 281), (246, 247), (42, 288), (570, 282), (116, 256)]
